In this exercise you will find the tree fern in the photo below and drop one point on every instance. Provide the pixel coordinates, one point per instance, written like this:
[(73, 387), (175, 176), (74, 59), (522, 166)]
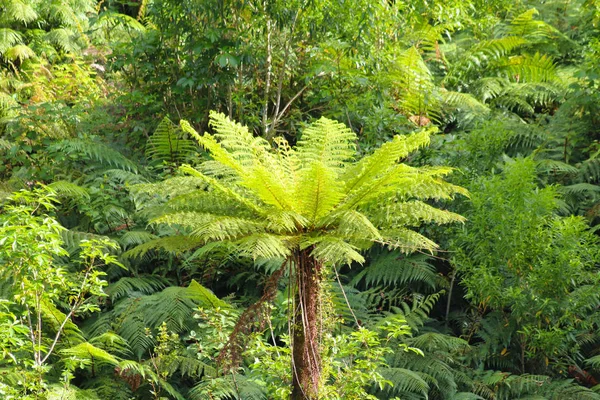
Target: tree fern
[(310, 204)]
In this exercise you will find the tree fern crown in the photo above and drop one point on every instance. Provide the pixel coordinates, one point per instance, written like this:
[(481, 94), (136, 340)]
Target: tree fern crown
[(268, 201)]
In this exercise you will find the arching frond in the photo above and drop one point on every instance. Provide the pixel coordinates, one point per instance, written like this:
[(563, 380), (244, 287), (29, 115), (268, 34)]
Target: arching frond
[(394, 269), (96, 151), (69, 190)]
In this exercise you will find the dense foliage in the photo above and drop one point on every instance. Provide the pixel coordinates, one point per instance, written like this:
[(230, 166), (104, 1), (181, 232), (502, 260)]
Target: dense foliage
[(299, 199)]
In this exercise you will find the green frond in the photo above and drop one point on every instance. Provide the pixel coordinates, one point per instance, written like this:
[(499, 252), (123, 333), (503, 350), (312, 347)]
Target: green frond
[(112, 343), (63, 39), (231, 194), (416, 313), (437, 342), (209, 227), (227, 387), (72, 238), (54, 318), (410, 213), (332, 250), (128, 286), (149, 193), (283, 221), (263, 246), (116, 22), (237, 139), (169, 143), (69, 190), (18, 11), (327, 143), (6, 102), (134, 238), (175, 306), (394, 269), (126, 177), (8, 39), (172, 244), (547, 165), (530, 68), (205, 297), (525, 25), (61, 392), (488, 88), (269, 187), (317, 193), (87, 352), (482, 54), (381, 160), (404, 381), (351, 224), (210, 202), (416, 89), (19, 52), (170, 389), (464, 101), (590, 170), (466, 396), (95, 151), (189, 367)]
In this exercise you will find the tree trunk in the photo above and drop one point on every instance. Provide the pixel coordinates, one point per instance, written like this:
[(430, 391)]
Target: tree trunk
[(306, 357)]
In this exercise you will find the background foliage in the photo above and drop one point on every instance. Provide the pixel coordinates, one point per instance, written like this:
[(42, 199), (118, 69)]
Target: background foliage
[(99, 301)]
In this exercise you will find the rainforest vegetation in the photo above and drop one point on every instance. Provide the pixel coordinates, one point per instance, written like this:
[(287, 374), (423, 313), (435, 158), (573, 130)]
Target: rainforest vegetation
[(299, 199)]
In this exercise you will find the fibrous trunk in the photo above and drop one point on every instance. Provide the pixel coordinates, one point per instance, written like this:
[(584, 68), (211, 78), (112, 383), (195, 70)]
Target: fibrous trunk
[(306, 358)]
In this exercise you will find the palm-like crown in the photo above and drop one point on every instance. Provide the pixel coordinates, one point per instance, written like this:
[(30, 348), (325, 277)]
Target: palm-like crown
[(267, 203)]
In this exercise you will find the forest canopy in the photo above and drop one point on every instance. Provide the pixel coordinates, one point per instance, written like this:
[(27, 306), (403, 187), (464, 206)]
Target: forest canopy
[(299, 199)]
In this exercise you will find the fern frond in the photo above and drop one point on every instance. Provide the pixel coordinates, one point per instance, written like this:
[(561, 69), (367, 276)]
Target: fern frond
[(112, 343), (8, 39), (173, 244), (530, 68), (393, 269), (19, 52), (63, 38), (464, 101), (317, 194), (68, 189), (328, 143), (404, 381), (134, 238), (169, 143), (61, 392), (97, 152), (88, 352), (72, 238), (128, 286)]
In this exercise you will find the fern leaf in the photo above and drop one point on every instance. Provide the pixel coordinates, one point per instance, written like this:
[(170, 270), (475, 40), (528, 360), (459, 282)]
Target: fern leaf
[(96, 151), (69, 190), (169, 143), (88, 352), (127, 286), (328, 143), (404, 380)]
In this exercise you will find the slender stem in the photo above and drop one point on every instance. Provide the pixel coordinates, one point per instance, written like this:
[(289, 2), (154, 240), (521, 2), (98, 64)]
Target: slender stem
[(268, 79), (450, 296)]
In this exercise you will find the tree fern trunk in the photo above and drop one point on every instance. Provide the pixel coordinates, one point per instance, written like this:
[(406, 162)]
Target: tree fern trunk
[(306, 357)]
